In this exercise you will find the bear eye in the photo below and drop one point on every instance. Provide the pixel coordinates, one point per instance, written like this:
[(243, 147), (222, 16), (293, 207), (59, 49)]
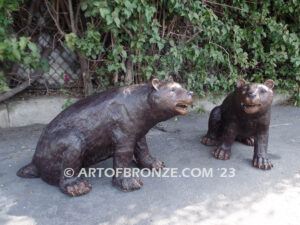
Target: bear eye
[(173, 89), (245, 89)]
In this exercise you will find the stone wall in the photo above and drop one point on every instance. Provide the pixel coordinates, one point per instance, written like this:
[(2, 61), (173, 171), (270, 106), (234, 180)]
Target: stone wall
[(41, 110)]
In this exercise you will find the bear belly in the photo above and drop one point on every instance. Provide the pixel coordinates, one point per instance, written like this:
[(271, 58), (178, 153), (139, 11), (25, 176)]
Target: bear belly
[(97, 154)]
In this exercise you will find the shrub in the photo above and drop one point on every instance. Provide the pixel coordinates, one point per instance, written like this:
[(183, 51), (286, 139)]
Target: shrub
[(204, 44), (207, 45)]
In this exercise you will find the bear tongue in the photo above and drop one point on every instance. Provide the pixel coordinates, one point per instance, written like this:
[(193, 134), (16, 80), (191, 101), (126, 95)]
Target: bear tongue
[(181, 108)]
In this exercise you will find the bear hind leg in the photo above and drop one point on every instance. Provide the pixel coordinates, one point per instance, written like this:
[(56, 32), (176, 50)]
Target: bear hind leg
[(70, 183), (214, 128)]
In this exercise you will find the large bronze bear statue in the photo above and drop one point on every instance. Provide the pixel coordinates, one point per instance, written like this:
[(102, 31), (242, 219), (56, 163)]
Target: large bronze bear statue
[(244, 116), (110, 124)]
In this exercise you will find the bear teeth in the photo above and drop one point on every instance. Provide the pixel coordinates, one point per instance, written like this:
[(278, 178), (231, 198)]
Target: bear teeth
[(181, 106)]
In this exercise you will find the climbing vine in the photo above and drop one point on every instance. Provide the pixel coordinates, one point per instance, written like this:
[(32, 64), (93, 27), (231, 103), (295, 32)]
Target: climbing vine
[(206, 45)]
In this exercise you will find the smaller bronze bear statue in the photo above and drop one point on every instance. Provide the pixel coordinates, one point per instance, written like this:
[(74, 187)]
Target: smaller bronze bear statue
[(244, 116), (109, 124)]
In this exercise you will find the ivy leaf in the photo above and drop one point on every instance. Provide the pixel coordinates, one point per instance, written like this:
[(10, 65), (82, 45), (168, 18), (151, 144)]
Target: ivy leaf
[(123, 67), (22, 43), (127, 13), (97, 3), (32, 47), (149, 13), (70, 40), (124, 53), (104, 11), (117, 21), (16, 54), (27, 60), (84, 6), (109, 19), (160, 45)]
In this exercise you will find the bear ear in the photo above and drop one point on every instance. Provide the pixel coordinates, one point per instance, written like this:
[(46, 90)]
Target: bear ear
[(241, 83), (155, 83), (170, 79), (269, 83)]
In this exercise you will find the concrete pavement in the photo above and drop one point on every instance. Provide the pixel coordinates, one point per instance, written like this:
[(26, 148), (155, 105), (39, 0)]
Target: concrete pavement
[(252, 196)]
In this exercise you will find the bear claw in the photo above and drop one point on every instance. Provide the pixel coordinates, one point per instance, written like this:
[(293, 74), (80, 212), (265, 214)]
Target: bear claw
[(127, 183), (78, 188), (262, 163), (247, 141), (151, 163), (209, 141), (220, 153)]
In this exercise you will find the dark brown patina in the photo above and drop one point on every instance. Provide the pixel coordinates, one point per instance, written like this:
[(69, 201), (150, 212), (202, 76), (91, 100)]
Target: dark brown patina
[(110, 124), (244, 116)]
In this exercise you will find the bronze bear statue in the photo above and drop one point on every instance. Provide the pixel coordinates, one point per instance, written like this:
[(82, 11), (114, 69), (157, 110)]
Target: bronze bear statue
[(244, 116), (109, 124)]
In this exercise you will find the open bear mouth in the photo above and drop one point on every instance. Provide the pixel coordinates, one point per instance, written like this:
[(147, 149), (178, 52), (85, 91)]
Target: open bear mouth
[(251, 105), (181, 108), (251, 108)]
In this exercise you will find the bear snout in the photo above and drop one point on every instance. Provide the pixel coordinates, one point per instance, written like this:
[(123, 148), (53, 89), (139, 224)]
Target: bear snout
[(252, 94)]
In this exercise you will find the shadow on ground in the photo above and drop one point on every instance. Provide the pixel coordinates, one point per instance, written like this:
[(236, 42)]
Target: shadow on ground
[(251, 197)]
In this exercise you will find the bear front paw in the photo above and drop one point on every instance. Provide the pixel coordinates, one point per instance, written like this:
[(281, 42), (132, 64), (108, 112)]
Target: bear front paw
[(221, 153), (151, 163), (157, 164), (127, 183), (209, 141), (262, 163)]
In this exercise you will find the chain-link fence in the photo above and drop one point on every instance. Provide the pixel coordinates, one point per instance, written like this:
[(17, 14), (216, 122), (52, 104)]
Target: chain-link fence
[(64, 69)]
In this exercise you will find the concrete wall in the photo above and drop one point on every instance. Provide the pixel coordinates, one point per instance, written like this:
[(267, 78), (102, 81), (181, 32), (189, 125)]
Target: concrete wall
[(4, 121), (43, 109), (34, 110)]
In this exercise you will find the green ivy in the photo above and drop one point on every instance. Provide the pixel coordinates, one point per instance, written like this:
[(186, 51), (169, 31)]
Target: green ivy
[(206, 45), (210, 47), (14, 49)]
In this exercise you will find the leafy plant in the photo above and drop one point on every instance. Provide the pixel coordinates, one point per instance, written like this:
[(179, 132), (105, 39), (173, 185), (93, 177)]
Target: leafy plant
[(206, 45), (12, 48)]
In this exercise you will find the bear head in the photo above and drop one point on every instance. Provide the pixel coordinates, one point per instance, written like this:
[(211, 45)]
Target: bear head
[(171, 97), (254, 98)]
